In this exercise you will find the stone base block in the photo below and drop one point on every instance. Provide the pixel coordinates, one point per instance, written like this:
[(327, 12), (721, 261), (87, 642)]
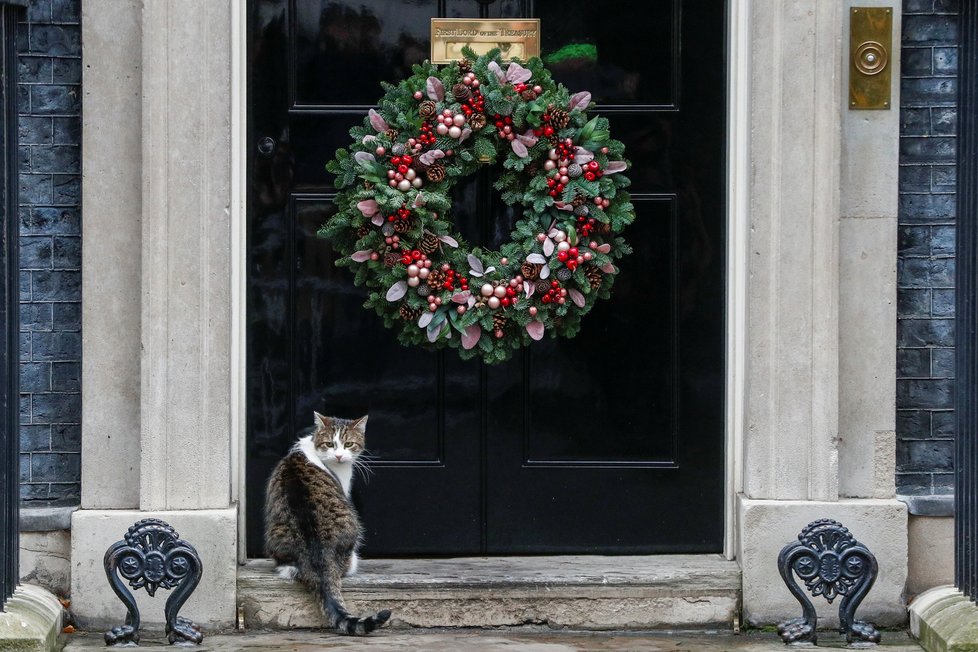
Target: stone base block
[(766, 526), (931, 540), (944, 620), (45, 560), (31, 621), (213, 532)]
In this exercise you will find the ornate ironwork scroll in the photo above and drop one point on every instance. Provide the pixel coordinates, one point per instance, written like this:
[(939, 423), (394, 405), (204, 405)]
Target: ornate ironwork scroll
[(151, 556), (831, 563)]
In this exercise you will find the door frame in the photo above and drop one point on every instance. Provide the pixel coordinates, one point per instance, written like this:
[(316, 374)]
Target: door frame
[(737, 157)]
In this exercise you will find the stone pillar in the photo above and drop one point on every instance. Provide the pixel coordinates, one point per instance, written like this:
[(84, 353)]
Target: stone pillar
[(157, 329), (821, 309), (186, 306)]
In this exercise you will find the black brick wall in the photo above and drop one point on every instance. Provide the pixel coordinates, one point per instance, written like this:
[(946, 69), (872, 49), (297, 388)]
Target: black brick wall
[(925, 282), (49, 97)]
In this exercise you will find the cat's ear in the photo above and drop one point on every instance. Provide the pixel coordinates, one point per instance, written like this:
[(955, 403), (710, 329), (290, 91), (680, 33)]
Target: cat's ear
[(360, 424), (320, 420)]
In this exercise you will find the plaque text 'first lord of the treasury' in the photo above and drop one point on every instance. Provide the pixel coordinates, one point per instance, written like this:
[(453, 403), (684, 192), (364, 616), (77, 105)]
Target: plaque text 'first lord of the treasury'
[(515, 38)]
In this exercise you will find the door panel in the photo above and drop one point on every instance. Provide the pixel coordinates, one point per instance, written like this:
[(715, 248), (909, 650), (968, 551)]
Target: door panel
[(611, 442)]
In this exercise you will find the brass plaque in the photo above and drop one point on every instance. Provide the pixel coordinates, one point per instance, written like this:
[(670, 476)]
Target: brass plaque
[(870, 57), (515, 38)]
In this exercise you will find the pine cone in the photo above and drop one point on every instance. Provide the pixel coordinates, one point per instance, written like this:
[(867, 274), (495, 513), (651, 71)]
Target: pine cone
[(543, 287), (391, 134), (368, 185), (391, 259), (464, 65), (402, 226), (582, 210), (363, 231), (435, 278), (408, 313), (604, 229), (554, 139), (428, 243), (530, 271), (461, 92), (477, 121), (423, 290), (529, 95), (574, 170), (559, 118), (532, 169), (427, 109), (435, 172), (579, 200), (564, 274), (594, 276), (499, 321)]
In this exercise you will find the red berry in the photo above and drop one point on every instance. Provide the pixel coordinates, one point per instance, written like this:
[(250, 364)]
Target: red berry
[(589, 175), (593, 165), (546, 298), (562, 256), (505, 301), (406, 259), (554, 284), (548, 131), (572, 252)]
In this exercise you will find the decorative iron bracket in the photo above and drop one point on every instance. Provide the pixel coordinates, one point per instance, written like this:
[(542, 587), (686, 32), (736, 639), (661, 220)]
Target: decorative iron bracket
[(829, 560), (152, 555)]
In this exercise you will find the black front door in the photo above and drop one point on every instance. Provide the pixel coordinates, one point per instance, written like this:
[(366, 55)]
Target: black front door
[(611, 442)]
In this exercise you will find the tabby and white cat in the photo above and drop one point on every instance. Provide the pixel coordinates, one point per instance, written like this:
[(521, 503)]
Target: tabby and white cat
[(312, 530)]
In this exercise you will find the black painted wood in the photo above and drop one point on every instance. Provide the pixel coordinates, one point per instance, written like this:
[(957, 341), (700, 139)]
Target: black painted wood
[(966, 310), (9, 313), (608, 443)]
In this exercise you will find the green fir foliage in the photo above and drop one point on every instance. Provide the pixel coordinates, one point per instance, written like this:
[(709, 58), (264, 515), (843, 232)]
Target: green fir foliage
[(371, 211)]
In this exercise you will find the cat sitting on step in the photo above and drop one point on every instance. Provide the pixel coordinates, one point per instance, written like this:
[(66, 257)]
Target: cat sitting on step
[(312, 530)]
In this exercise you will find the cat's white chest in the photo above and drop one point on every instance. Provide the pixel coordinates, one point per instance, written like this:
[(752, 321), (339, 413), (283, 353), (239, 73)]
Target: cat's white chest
[(343, 473)]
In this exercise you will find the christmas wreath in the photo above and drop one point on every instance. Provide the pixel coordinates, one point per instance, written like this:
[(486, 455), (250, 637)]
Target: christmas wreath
[(393, 227)]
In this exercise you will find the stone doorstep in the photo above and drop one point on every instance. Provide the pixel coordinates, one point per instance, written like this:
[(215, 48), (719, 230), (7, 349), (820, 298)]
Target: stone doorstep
[(580, 592)]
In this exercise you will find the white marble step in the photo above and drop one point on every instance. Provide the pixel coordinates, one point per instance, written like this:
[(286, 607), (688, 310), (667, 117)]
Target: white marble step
[(581, 592)]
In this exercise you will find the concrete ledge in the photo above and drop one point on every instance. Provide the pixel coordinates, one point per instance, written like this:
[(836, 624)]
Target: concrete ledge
[(936, 505), (591, 593), (31, 621), (213, 532), (46, 519), (944, 620), (767, 525)]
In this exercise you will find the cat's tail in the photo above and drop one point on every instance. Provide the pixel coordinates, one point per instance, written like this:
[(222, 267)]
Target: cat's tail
[(328, 590), (344, 623)]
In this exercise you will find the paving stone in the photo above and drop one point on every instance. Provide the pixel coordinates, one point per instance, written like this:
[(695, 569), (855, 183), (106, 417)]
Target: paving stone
[(524, 639)]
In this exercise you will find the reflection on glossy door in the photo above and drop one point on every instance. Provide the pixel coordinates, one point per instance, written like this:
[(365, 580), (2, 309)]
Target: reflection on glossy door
[(611, 442)]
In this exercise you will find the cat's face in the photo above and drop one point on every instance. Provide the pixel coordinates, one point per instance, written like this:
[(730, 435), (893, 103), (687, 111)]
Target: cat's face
[(339, 441)]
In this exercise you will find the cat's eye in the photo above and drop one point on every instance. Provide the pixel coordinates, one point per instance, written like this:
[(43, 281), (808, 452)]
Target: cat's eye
[(349, 444), (329, 444)]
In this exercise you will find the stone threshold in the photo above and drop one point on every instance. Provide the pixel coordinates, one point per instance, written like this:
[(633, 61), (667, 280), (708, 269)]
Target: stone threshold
[(580, 592)]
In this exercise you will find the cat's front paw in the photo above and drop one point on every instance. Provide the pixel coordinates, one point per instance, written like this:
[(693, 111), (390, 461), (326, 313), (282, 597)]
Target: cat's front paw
[(797, 630), (122, 635), (185, 630)]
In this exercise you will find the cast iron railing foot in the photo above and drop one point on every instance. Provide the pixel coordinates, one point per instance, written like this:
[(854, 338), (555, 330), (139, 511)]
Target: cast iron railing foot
[(152, 555), (829, 560)]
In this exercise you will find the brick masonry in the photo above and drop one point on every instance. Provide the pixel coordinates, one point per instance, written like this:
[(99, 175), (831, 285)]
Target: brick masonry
[(49, 98), (925, 281)]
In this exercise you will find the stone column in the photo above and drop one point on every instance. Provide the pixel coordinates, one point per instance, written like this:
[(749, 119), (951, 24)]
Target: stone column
[(821, 309), (157, 329)]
